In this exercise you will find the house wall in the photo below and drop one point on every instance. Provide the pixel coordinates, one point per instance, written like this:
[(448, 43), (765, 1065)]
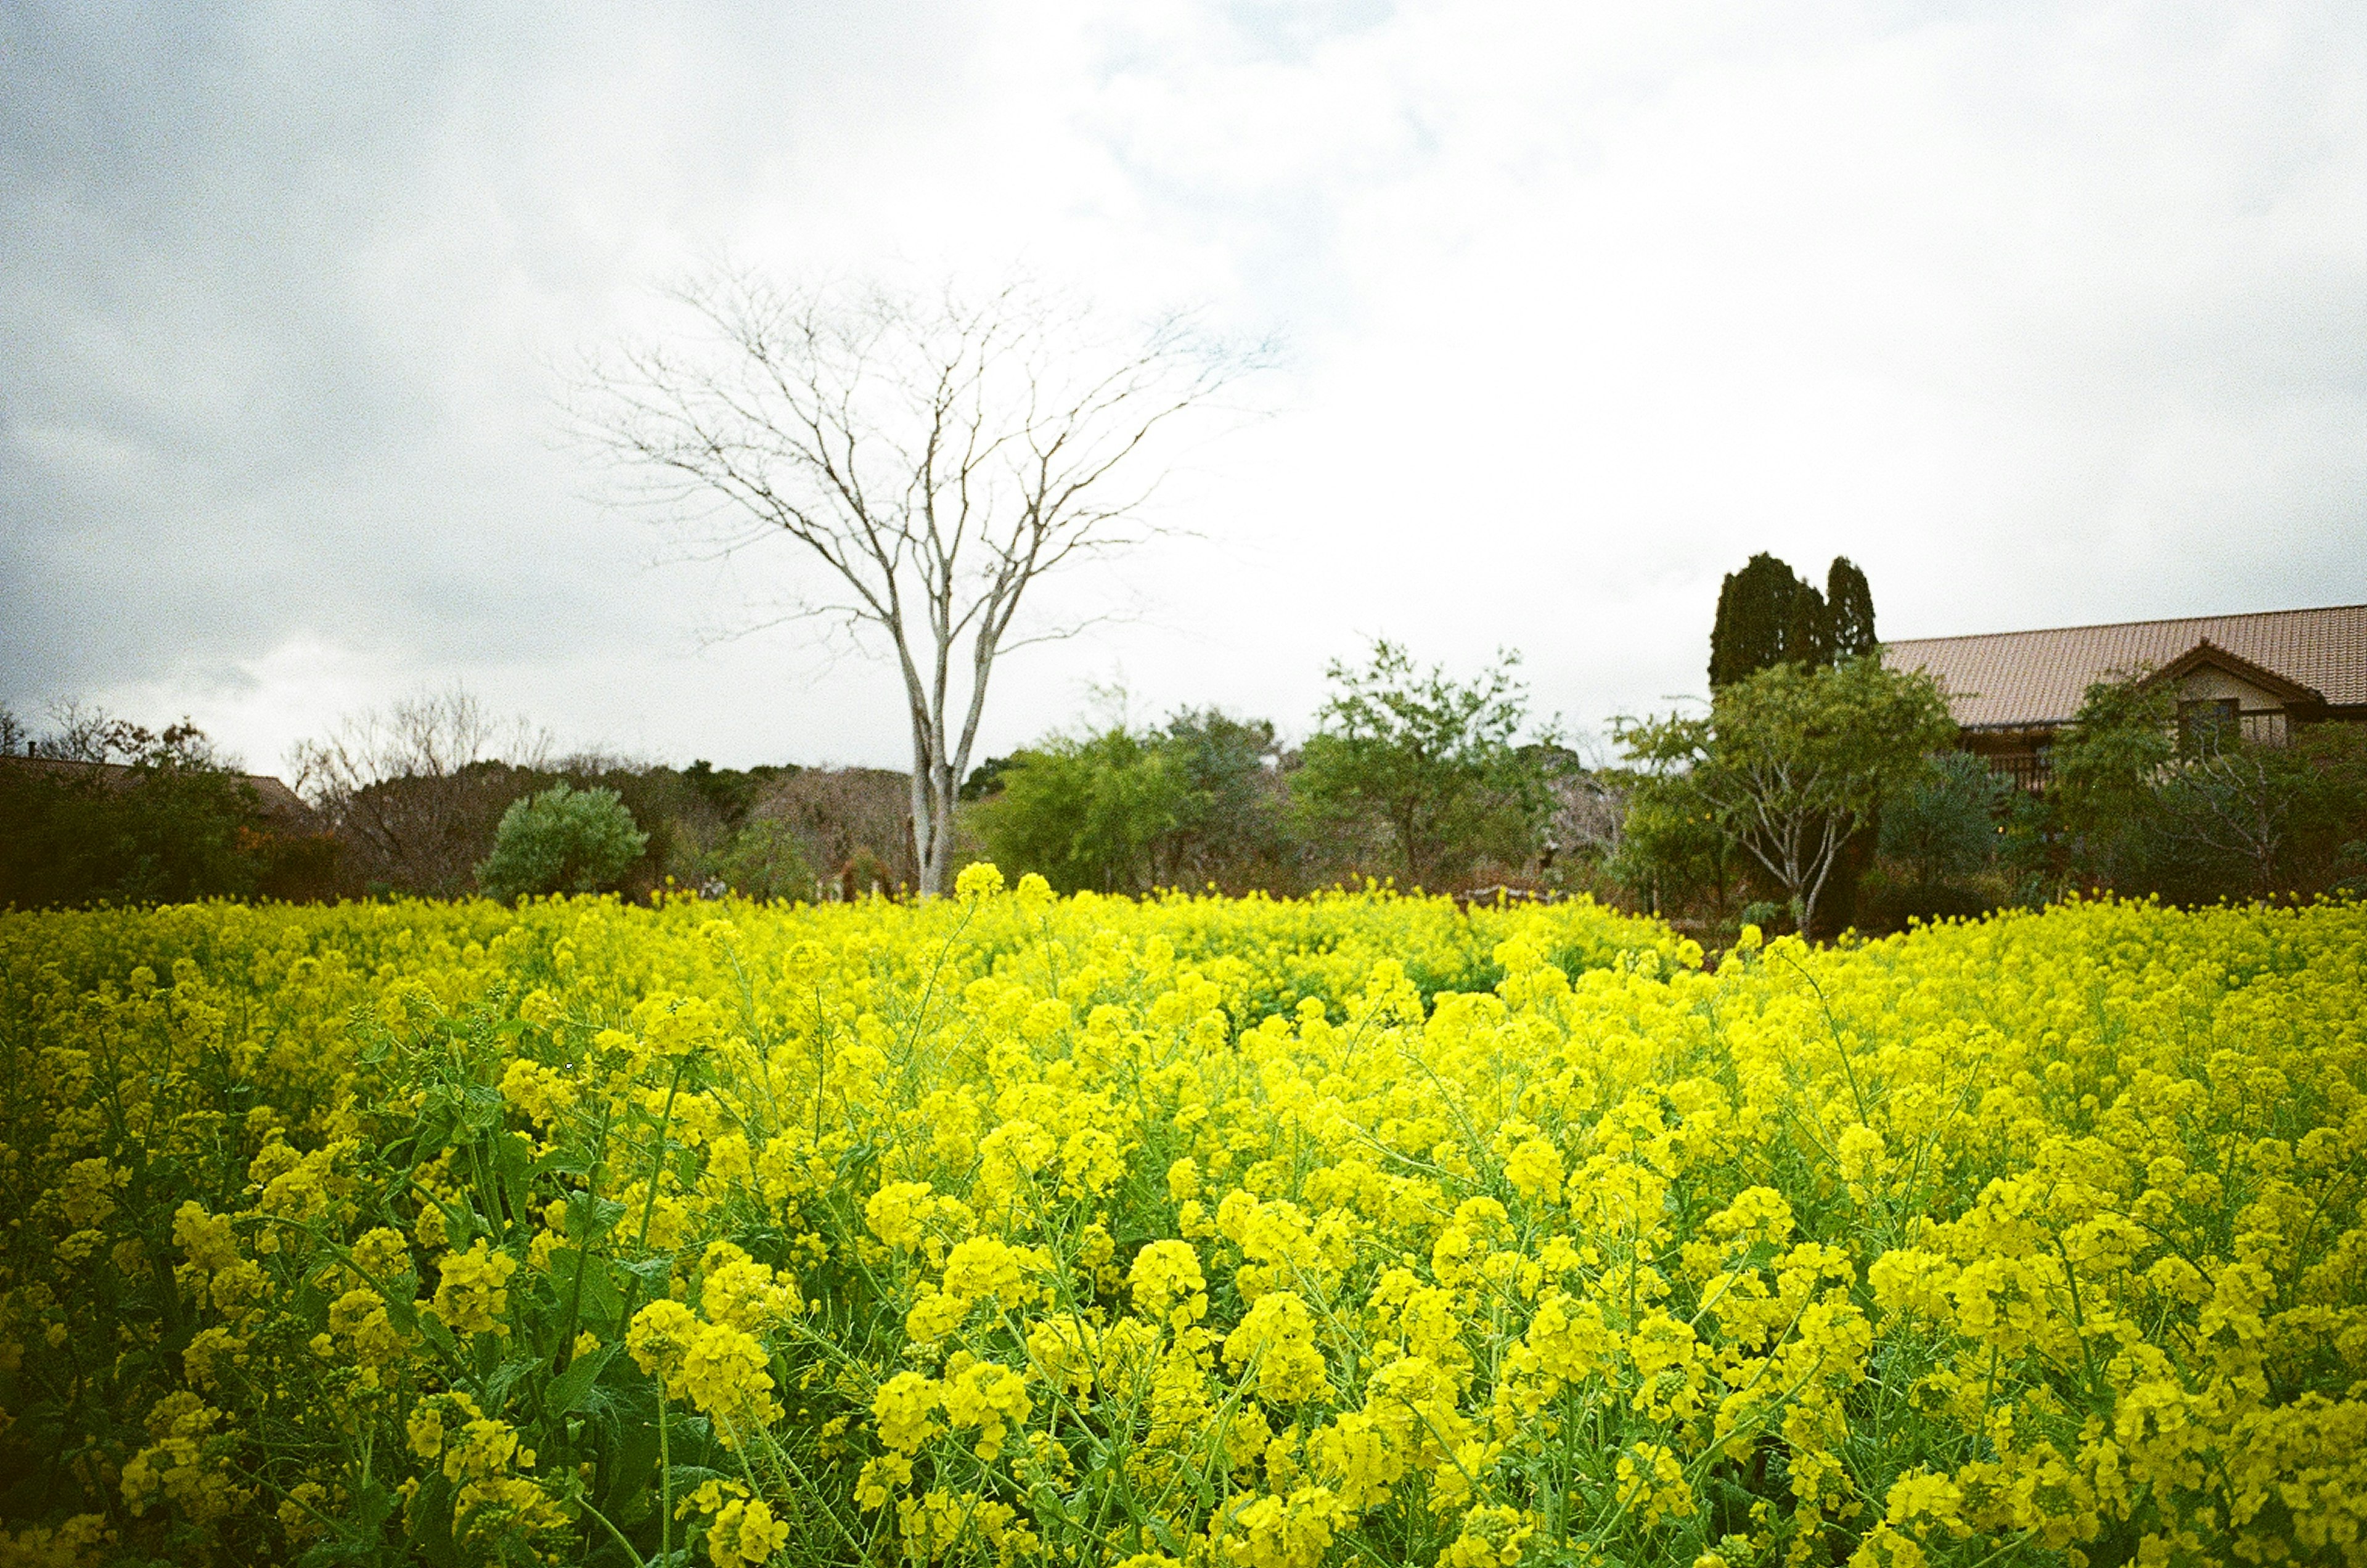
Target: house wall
[(2207, 682), (2262, 714)]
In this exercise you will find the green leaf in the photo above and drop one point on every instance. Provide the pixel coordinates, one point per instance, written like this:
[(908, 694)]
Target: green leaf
[(569, 1390), (653, 1273), (601, 1301)]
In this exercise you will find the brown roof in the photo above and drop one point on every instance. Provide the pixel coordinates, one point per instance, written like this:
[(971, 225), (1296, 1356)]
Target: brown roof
[(274, 801), (2038, 678)]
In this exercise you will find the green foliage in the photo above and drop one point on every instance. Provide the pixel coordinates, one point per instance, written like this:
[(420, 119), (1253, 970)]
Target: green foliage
[(2106, 764), (167, 824), (1197, 801), (2266, 819), (1429, 759), (1232, 826), (1766, 616), (1793, 762), (562, 841), (766, 860), (1940, 842), (984, 780), (1849, 608), (1942, 826), (1673, 854), (2131, 808), (1085, 812)]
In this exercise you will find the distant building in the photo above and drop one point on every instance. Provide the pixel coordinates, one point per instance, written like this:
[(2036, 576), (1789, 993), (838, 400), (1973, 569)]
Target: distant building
[(280, 806), (2259, 676)]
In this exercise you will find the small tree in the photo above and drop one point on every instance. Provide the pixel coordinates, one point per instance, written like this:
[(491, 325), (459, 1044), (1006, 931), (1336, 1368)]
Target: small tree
[(766, 860), (1085, 813), (2267, 812), (1793, 761), (1232, 824), (562, 841), (1942, 828), (2105, 774), (167, 819), (1198, 800), (1431, 758), (1673, 853)]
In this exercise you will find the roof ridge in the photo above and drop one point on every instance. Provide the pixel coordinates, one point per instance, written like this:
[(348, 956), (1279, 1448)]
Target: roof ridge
[(2115, 625)]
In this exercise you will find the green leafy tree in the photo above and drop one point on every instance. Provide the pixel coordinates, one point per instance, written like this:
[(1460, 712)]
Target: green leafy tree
[(1673, 854), (984, 780), (766, 860), (107, 810), (1198, 800), (1233, 822), (2217, 817), (1849, 610), (1085, 812), (562, 841), (1430, 759), (2105, 774), (1794, 761)]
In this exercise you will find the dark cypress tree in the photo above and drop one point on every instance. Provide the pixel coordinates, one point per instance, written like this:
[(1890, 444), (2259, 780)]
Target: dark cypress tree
[(1848, 602), (1766, 615), (1809, 633)]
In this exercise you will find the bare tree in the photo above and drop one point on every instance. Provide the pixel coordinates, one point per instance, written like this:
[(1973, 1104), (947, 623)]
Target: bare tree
[(930, 457), (1590, 815), (841, 814), (410, 787)]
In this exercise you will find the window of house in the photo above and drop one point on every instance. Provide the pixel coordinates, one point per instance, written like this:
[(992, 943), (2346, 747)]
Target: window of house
[(2207, 723)]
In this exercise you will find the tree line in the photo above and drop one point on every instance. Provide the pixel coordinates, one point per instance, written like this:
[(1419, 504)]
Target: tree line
[(430, 797), (1817, 789)]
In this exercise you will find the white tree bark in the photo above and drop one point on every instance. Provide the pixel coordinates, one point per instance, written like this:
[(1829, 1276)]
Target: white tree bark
[(928, 459)]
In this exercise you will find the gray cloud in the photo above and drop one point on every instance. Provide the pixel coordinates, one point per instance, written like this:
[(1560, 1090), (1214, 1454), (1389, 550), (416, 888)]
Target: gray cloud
[(2044, 313)]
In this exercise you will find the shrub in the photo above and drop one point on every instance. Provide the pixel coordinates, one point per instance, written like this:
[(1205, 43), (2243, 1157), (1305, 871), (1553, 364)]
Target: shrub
[(562, 841), (765, 859)]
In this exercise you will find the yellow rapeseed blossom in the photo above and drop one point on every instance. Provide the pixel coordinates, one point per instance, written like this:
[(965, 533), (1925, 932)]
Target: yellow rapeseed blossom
[(1012, 1229)]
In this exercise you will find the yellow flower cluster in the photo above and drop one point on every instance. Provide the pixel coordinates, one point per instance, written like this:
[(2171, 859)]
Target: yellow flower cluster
[(1185, 1233)]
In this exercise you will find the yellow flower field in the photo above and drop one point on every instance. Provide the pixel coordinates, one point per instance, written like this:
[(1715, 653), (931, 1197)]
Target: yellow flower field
[(1228, 1232)]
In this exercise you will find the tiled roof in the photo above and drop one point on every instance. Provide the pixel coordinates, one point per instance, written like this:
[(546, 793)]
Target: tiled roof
[(2039, 678), (274, 800)]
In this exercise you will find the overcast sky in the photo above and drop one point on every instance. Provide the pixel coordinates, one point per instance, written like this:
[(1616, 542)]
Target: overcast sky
[(2044, 313)]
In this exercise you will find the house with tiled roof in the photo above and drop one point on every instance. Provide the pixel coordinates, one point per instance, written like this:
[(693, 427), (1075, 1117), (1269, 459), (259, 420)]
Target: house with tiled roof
[(2259, 676), (278, 806)]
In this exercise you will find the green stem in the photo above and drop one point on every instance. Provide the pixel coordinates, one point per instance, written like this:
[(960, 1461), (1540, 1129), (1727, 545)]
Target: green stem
[(614, 1532), (649, 1206), (583, 1243), (666, 1483)]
